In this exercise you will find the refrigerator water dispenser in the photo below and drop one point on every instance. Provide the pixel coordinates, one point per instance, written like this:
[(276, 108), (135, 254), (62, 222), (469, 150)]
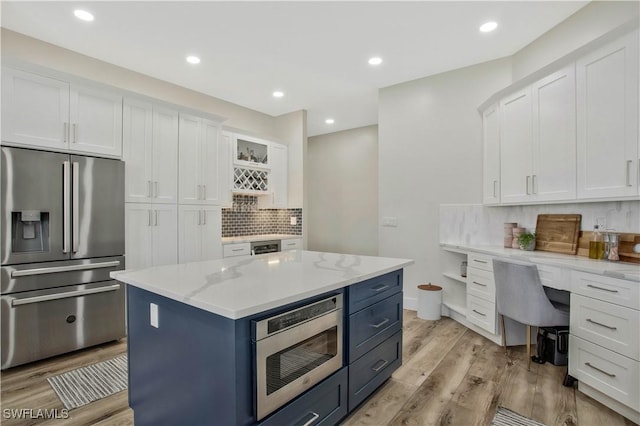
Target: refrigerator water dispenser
[(30, 231)]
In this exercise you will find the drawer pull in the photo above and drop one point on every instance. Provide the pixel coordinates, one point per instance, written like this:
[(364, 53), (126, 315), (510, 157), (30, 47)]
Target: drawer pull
[(380, 365), (601, 325), (380, 324), (479, 313), (598, 369), (380, 288), (476, 282), (602, 288), (238, 249), (314, 417), (480, 261)]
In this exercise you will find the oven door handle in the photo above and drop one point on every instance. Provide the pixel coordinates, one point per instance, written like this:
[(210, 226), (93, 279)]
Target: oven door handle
[(64, 295), (56, 269), (314, 417)]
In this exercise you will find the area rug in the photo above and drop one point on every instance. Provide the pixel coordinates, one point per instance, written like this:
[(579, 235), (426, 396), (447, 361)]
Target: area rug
[(79, 387), (506, 417)]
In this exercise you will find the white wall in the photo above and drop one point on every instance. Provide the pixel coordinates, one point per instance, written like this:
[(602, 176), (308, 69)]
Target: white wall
[(587, 24), (430, 153), (343, 192)]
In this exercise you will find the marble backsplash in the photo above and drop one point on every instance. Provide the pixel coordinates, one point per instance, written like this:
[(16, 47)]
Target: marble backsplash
[(475, 224)]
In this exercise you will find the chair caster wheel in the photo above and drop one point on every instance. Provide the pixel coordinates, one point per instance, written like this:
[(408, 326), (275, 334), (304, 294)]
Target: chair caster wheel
[(568, 380)]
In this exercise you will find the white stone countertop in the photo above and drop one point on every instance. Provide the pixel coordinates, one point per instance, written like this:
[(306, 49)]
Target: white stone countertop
[(262, 237), (237, 287), (624, 270)]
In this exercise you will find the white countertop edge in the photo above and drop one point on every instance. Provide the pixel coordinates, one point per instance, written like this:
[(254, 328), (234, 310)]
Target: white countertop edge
[(610, 269), (261, 307), (261, 237)]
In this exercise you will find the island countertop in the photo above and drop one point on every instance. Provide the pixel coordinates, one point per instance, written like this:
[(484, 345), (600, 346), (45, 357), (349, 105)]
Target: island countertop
[(242, 286)]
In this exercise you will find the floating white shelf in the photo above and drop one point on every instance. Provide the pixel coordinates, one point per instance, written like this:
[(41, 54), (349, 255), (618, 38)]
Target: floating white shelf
[(454, 249), (456, 277)]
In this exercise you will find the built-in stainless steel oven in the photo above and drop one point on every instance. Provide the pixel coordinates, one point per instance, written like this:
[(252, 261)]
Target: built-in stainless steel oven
[(295, 350)]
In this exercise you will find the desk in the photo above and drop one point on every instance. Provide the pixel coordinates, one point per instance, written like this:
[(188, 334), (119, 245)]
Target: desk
[(604, 343)]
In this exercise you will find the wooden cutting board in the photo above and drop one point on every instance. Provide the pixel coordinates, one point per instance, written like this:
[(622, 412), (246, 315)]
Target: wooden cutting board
[(558, 233)]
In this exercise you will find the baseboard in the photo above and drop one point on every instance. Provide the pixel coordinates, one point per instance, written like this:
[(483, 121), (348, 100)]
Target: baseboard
[(410, 303)]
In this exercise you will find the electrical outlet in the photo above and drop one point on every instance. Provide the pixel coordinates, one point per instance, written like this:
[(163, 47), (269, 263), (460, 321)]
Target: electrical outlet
[(153, 315), (294, 220)]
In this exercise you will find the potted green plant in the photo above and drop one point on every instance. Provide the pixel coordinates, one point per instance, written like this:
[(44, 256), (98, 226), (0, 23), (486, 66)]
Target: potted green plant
[(527, 241)]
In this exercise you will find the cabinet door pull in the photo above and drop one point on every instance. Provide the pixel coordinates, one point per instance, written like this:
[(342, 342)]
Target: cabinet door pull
[(534, 182), (479, 313), (75, 133), (380, 365), (155, 218), (148, 217), (379, 288), (527, 184), (204, 217), (628, 180), (601, 325), (480, 261), (601, 288), (495, 183), (380, 324), (476, 282), (600, 370), (237, 249), (199, 217), (314, 417)]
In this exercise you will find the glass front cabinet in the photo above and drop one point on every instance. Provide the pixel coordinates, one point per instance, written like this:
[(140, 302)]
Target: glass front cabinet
[(250, 152)]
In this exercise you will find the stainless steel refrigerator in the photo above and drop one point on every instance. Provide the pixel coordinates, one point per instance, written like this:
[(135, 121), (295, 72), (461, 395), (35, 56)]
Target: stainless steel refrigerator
[(62, 232)]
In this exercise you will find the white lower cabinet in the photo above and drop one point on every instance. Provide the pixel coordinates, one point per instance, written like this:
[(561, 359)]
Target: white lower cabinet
[(151, 235), (199, 236), (291, 244), (604, 351), (481, 292), (481, 313)]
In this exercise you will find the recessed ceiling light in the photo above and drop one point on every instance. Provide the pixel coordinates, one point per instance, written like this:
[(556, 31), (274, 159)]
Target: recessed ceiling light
[(329, 121), (193, 59), (278, 94), (375, 61), (83, 14), (488, 26)]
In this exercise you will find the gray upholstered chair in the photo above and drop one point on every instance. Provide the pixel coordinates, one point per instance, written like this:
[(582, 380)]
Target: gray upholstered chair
[(521, 297)]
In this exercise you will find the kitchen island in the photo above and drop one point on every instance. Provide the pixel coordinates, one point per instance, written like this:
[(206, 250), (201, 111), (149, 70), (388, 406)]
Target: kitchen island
[(192, 335)]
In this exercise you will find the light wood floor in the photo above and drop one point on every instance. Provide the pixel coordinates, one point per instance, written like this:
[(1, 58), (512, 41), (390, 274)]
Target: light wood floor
[(450, 376)]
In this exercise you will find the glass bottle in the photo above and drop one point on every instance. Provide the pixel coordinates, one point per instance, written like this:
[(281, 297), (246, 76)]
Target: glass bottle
[(596, 245)]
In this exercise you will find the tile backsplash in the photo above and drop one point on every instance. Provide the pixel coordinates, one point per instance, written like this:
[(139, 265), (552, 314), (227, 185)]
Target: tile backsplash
[(475, 224), (244, 218)]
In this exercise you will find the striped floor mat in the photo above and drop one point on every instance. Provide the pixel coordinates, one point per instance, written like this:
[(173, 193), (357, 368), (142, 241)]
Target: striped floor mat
[(506, 417), (79, 387)]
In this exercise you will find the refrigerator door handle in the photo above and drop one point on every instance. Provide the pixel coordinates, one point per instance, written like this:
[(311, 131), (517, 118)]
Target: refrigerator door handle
[(71, 268), (64, 295), (75, 204), (66, 218)]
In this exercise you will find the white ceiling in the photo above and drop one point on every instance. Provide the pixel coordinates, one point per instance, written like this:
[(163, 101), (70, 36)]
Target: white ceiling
[(315, 52)]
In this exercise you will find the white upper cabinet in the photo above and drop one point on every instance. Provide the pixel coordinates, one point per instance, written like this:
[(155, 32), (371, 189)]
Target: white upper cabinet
[(225, 170), (491, 159), (515, 147), (199, 161), (607, 120), (53, 114), (278, 182), (150, 144), (553, 176)]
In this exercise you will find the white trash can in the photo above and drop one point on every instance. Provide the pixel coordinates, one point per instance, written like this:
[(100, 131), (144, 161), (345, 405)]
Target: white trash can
[(429, 301)]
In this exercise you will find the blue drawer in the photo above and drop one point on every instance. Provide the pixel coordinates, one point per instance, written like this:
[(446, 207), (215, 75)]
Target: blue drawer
[(373, 290), (326, 403), (370, 371), (373, 325)]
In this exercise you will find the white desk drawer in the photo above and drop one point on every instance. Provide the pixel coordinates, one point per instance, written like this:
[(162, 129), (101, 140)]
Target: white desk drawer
[(481, 283), (612, 374), (614, 290), (611, 326), (240, 249), (554, 277), (291, 244), (480, 261), (481, 313)]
